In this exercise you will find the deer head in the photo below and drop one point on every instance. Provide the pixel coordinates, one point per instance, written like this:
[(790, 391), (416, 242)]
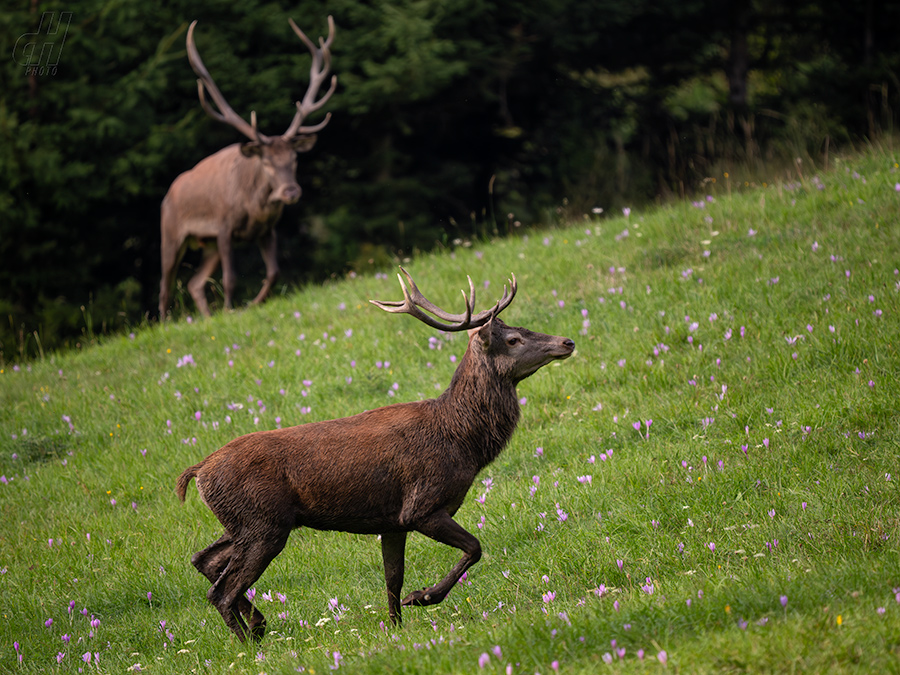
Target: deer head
[(278, 154), (514, 352)]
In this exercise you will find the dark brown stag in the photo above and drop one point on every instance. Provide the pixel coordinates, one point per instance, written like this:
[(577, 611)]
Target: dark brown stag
[(238, 193), (402, 468)]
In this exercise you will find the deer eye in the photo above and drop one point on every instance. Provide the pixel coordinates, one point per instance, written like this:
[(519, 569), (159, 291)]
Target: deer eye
[(513, 341)]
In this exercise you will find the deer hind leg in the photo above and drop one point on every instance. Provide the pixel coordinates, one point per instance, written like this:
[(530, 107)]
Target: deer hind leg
[(211, 562), (442, 528), (250, 556), (197, 284), (171, 254)]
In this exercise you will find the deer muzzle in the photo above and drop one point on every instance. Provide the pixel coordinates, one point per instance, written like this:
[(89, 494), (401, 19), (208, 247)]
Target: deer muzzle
[(288, 193)]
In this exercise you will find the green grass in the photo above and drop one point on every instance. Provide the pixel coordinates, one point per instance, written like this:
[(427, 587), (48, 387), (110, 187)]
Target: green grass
[(759, 334)]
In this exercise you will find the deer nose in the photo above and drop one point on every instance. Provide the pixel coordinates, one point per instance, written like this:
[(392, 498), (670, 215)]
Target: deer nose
[(569, 343), (291, 193)]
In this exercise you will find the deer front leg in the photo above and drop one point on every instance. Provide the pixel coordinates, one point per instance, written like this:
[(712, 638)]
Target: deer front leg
[(393, 546), (229, 277), (269, 249), (197, 284), (442, 528)]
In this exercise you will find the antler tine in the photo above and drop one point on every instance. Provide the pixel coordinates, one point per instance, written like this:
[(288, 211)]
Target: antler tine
[(505, 301), (421, 301), (313, 129), (225, 113), (482, 317), (259, 137), (414, 303)]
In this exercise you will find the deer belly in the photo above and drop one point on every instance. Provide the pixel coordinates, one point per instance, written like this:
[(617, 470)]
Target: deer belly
[(357, 522), (349, 510)]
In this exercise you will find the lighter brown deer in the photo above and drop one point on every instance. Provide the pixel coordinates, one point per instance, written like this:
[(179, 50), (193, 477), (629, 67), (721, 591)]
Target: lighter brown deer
[(238, 193)]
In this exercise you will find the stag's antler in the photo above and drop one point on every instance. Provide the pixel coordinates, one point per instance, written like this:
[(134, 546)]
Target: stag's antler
[(318, 71), (321, 64), (414, 302), (225, 113)]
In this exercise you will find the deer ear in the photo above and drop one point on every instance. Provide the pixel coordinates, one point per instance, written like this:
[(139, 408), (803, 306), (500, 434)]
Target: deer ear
[(304, 143), (251, 149), (483, 334)]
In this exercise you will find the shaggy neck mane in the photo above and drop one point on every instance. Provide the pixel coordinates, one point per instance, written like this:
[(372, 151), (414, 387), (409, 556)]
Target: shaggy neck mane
[(480, 408)]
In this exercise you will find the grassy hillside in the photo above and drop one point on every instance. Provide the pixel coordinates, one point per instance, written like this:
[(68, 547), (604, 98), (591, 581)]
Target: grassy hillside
[(710, 483)]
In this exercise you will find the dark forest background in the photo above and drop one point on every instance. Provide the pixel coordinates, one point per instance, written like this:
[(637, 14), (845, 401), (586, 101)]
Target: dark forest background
[(452, 119)]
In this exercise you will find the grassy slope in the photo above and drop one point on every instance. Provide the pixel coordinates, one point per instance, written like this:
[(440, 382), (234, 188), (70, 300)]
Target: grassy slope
[(757, 336)]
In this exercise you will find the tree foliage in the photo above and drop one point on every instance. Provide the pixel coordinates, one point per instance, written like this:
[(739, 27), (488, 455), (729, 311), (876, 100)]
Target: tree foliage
[(452, 118)]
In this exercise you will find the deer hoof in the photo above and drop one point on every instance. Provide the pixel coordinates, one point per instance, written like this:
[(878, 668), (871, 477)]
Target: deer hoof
[(418, 598), (258, 630)]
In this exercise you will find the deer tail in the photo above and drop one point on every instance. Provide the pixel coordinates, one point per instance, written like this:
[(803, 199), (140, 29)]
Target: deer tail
[(185, 478)]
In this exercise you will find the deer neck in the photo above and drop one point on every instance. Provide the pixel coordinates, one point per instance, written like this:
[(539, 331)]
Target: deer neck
[(250, 179), (262, 188), (480, 408)]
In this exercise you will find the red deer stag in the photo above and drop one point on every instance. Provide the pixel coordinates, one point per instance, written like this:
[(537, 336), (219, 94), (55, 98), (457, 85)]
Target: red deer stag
[(238, 193), (390, 471)]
